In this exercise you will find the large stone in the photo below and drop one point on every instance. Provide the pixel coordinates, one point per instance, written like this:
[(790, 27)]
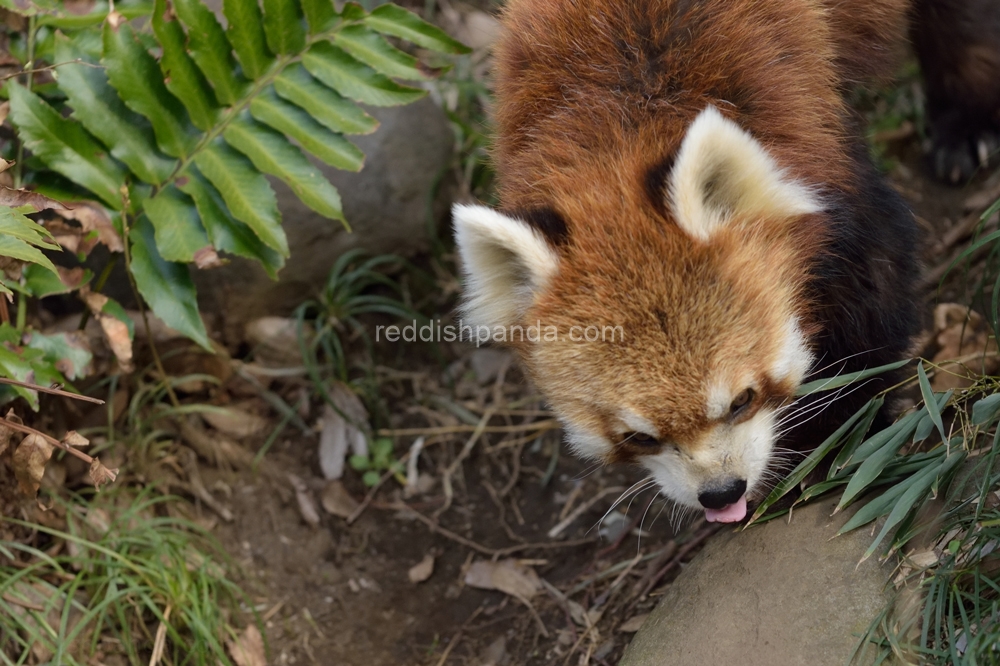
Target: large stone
[(782, 594), (389, 204)]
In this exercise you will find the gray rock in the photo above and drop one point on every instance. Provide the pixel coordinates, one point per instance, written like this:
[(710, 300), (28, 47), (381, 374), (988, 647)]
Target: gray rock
[(776, 595), (389, 205)]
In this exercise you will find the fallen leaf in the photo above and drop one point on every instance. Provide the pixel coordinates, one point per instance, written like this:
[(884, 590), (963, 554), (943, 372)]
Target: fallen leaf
[(961, 333), (15, 198), (337, 501), (248, 648), (207, 258), (633, 624), (93, 217), (495, 653), (307, 505), (338, 433), (29, 463), (4, 164), (116, 333), (5, 435), (422, 570), (275, 340), (509, 576), (101, 475), (73, 438), (236, 422), (4, 110)]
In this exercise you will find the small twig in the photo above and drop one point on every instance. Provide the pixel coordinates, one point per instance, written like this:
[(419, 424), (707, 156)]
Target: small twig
[(492, 552), (456, 463), (48, 438), (696, 541), (35, 70), (22, 604), (580, 510), (53, 391), (549, 424), (458, 634), (189, 461)]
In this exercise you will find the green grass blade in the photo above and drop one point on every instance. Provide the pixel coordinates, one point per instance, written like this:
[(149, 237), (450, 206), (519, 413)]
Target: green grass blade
[(179, 233), (283, 26), (165, 285), (181, 75), (372, 49), (271, 152), (355, 80), (246, 34), (64, 145), (210, 49), (296, 85), (393, 20), (830, 383), (97, 106), (246, 192), (289, 119), (226, 233), (929, 400)]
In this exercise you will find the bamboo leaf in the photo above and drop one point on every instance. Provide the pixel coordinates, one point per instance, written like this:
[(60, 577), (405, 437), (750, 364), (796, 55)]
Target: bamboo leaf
[(803, 469), (875, 463), (227, 233), (136, 76), (181, 74), (210, 50), (289, 119), (857, 436), (64, 145), (875, 507), (283, 26), (371, 48), (339, 114), (916, 491), (830, 383), (876, 441), (178, 231), (398, 22), (246, 192), (929, 400), (97, 106), (355, 80), (165, 285), (271, 153), (320, 15), (985, 410), (246, 34)]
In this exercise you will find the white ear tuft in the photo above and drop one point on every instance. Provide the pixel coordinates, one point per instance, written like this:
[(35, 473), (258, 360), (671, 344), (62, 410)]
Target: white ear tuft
[(721, 171), (505, 262)]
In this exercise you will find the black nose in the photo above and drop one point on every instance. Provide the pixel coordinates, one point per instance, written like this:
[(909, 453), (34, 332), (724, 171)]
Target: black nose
[(722, 494)]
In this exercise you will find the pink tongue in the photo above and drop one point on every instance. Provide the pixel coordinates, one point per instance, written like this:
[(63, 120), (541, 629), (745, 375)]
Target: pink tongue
[(730, 513)]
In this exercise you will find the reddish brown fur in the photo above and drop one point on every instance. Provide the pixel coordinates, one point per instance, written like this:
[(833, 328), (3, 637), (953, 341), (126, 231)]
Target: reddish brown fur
[(592, 97)]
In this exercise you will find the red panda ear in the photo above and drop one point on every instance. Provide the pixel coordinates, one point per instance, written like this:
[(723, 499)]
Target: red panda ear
[(722, 172), (505, 262)]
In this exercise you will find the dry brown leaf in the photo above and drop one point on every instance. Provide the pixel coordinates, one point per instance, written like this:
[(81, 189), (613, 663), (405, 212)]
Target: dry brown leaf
[(275, 341), (248, 648), (101, 475), (304, 498), (73, 438), (633, 624), (4, 110), (207, 258), (115, 331), (93, 217), (422, 570), (5, 435), (340, 434), (337, 501), (4, 164), (14, 198), (237, 422), (961, 333), (509, 576), (29, 463)]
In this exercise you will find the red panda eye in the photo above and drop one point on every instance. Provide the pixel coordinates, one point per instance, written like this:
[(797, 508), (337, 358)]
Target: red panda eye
[(641, 439), (741, 401)]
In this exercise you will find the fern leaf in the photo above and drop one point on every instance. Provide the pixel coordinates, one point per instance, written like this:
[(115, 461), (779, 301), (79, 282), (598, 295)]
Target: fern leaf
[(246, 192), (283, 26), (210, 49), (136, 76), (355, 80), (246, 34), (320, 15), (340, 115), (392, 20), (371, 48), (181, 75), (64, 145), (178, 231), (289, 119), (271, 153)]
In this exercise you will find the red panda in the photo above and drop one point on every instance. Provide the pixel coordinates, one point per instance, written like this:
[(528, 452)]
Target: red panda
[(689, 171)]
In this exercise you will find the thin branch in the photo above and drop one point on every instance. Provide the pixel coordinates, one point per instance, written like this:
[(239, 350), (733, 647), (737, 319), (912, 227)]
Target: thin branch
[(53, 391), (48, 438), (35, 70)]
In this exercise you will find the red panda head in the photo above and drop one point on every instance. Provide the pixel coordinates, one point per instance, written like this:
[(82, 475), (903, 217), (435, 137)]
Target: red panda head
[(669, 336)]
